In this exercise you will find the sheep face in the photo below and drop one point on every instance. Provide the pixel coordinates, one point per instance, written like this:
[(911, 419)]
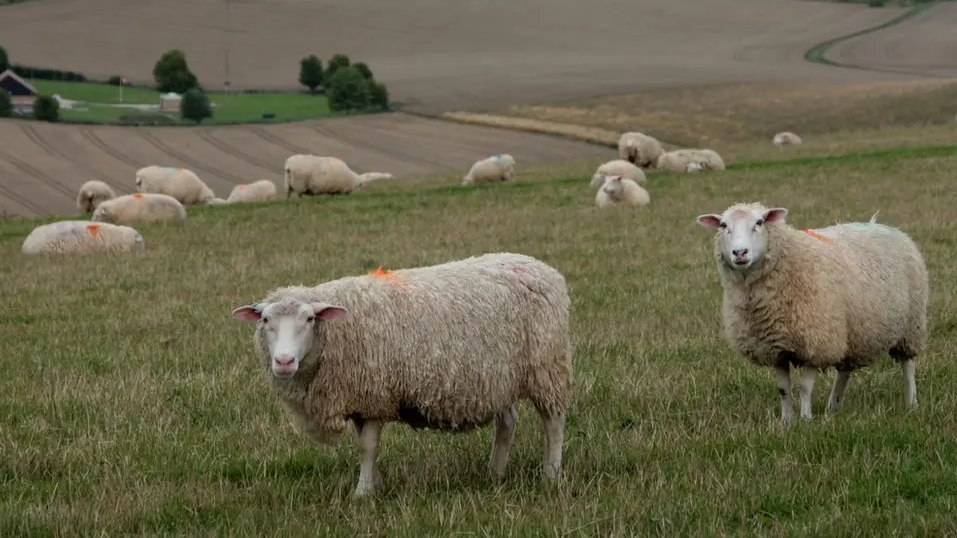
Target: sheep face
[(288, 329), (742, 232), (695, 167), (613, 186)]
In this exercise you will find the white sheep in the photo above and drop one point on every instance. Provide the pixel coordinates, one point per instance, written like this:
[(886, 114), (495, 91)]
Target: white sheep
[(312, 174), (639, 149), (618, 191), (495, 168), (839, 296), (139, 207), (452, 347), (694, 167), (786, 138), (91, 194), (257, 191), (617, 167), (80, 236), (679, 160), (180, 183)]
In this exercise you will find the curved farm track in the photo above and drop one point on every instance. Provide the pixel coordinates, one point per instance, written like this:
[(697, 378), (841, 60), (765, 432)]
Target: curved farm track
[(436, 56)]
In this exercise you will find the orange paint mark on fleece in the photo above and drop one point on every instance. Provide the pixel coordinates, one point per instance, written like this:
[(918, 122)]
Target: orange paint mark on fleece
[(818, 236), (383, 273), (94, 229), (137, 195)]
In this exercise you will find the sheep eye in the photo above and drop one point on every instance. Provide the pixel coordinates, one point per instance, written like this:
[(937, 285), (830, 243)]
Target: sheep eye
[(759, 222), (311, 319), (723, 225), (265, 321)]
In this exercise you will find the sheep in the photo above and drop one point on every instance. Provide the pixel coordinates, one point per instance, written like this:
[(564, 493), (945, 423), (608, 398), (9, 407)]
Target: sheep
[(679, 160), (495, 168), (312, 174), (639, 149), (216, 201), (618, 167), (257, 191), (80, 236), (180, 183), (786, 138), (621, 191), (839, 296), (694, 167), (139, 207), (451, 347), (91, 194)]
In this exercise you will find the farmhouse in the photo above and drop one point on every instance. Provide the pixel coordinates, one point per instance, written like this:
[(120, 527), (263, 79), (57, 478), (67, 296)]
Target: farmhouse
[(22, 94)]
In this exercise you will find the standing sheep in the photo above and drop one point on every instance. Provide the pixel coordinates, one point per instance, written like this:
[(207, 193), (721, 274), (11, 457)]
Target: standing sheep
[(621, 191), (494, 168), (680, 160), (312, 174), (786, 138), (618, 167), (451, 347), (139, 207), (839, 296), (639, 149), (257, 191), (80, 236), (180, 183), (91, 194)]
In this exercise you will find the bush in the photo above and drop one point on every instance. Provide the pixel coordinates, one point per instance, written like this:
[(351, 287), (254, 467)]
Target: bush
[(116, 80), (4, 60), (337, 62), (6, 105), (195, 106), (42, 73), (172, 73), (310, 72), (378, 95), (347, 90), (363, 70), (46, 108)]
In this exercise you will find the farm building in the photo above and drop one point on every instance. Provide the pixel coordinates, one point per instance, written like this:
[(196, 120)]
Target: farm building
[(22, 94)]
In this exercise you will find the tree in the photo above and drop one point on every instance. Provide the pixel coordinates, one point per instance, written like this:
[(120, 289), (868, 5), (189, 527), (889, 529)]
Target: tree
[(347, 90), (335, 63), (363, 70), (6, 105), (46, 108), (310, 72), (172, 73), (4, 60), (378, 95), (195, 106)]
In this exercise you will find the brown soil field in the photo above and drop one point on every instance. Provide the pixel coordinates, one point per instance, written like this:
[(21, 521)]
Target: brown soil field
[(434, 56)]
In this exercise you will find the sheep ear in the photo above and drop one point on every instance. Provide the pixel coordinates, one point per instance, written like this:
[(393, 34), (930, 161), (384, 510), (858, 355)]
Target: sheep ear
[(328, 311), (250, 312), (709, 221), (776, 214)]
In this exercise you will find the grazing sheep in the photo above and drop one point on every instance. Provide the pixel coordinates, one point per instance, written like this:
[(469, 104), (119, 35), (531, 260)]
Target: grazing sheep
[(91, 194), (451, 347), (786, 138), (312, 174), (639, 149), (257, 191), (679, 160), (180, 183), (618, 167), (621, 191), (139, 207), (494, 168), (839, 296), (80, 236)]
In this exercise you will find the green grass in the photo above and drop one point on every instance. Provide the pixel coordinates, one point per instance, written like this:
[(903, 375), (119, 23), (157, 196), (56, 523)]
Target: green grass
[(131, 402)]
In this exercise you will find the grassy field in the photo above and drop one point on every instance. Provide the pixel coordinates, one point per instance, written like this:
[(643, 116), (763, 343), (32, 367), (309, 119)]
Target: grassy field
[(132, 403)]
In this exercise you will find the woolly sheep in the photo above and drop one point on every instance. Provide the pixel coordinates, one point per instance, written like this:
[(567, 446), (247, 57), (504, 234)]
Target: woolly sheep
[(312, 174), (139, 207), (80, 236), (494, 168), (621, 191), (639, 149), (180, 183), (257, 191), (786, 138), (679, 160), (91, 194), (839, 296), (694, 167), (451, 347), (618, 167)]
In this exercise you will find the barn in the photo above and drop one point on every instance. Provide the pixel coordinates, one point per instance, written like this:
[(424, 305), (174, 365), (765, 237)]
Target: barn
[(22, 94)]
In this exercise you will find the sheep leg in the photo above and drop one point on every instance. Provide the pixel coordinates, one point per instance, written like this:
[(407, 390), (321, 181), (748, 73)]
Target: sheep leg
[(806, 382), (368, 434), (908, 366), (837, 391), (504, 435), (782, 376), (554, 439)]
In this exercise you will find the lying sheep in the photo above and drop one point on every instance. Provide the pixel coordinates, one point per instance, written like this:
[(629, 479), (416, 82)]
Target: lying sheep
[(679, 160), (621, 191), (618, 167), (139, 207), (639, 149), (312, 174), (80, 236), (694, 167), (91, 194), (494, 168), (786, 138), (839, 296), (180, 183), (257, 191), (452, 347)]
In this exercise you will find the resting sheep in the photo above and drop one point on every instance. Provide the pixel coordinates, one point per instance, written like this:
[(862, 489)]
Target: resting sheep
[(180, 183), (786, 138), (494, 168), (839, 296), (679, 160), (80, 236), (257, 191), (621, 191), (618, 167), (91, 194), (451, 347), (639, 149), (139, 207), (314, 175)]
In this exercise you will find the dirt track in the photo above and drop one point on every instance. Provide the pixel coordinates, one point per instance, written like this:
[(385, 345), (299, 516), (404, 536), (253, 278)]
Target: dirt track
[(434, 56)]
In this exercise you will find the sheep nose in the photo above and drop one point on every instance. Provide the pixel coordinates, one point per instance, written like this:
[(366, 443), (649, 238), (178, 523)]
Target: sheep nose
[(739, 252), (284, 360)]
